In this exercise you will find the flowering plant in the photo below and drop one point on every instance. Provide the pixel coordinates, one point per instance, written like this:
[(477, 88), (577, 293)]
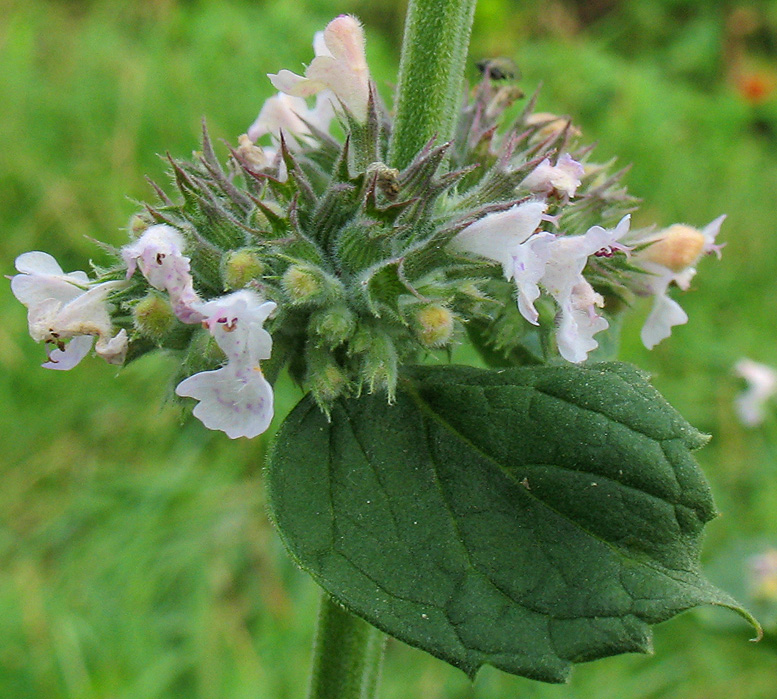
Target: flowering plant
[(532, 514)]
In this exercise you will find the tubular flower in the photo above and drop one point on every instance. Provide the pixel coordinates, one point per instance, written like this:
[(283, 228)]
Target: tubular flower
[(497, 236), (236, 398), (159, 255), (556, 264), (340, 65), (66, 311), (671, 257), (535, 260)]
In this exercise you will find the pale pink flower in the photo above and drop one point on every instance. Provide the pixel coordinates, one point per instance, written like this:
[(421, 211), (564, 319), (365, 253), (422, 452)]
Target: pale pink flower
[(159, 255), (497, 236), (762, 576), (557, 266), (564, 177), (340, 65), (236, 321), (236, 398), (66, 311), (541, 260)]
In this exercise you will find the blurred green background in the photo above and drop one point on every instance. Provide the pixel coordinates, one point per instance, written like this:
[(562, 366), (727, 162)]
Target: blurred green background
[(136, 561)]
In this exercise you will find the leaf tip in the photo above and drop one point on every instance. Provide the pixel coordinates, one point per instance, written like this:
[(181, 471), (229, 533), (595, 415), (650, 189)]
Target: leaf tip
[(734, 606), (759, 630)]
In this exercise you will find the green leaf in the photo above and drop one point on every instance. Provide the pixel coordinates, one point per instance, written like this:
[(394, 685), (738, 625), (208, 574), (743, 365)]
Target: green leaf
[(527, 518)]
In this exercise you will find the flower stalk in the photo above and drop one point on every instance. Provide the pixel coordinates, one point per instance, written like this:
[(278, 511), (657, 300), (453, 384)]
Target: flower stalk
[(347, 655), (431, 72)]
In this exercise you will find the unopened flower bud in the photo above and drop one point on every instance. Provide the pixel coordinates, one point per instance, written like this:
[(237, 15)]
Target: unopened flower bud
[(308, 285), (153, 317), (258, 220), (138, 224), (434, 325), (387, 179), (252, 156), (340, 66), (379, 360), (242, 267), (676, 248), (550, 126), (333, 325), (325, 379)]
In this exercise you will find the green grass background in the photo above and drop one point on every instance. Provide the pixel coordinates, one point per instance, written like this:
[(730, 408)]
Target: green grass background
[(136, 561)]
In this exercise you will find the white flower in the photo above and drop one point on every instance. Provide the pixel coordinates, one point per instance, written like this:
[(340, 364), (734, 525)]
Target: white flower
[(236, 398), (761, 387), (71, 354), (527, 268), (672, 257), (564, 177), (66, 311), (290, 115), (537, 260), (159, 254), (340, 65), (235, 321), (557, 266), (498, 235)]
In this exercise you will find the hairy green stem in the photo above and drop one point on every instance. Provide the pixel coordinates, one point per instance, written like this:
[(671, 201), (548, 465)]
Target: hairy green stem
[(376, 646), (346, 655), (431, 72)]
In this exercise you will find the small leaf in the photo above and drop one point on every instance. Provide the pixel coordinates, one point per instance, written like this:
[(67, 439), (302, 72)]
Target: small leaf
[(526, 518)]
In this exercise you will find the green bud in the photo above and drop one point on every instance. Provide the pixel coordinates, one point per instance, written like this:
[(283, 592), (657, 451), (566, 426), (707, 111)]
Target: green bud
[(434, 325), (325, 379), (308, 285), (259, 220), (333, 325), (153, 317), (386, 179), (378, 360), (241, 267), (138, 224)]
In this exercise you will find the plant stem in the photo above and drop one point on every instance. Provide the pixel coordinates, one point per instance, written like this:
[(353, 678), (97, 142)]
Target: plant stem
[(431, 72), (376, 646), (347, 655)]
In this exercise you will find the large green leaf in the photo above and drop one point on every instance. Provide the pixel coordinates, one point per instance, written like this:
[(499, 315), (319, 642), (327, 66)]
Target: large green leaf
[(527, 518)]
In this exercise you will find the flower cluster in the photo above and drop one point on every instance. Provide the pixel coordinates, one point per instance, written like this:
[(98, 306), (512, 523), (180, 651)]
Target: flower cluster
[(510, 236)]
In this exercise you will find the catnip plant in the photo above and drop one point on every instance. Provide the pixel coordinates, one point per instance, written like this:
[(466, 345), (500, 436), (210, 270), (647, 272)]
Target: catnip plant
[(536, 513)]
